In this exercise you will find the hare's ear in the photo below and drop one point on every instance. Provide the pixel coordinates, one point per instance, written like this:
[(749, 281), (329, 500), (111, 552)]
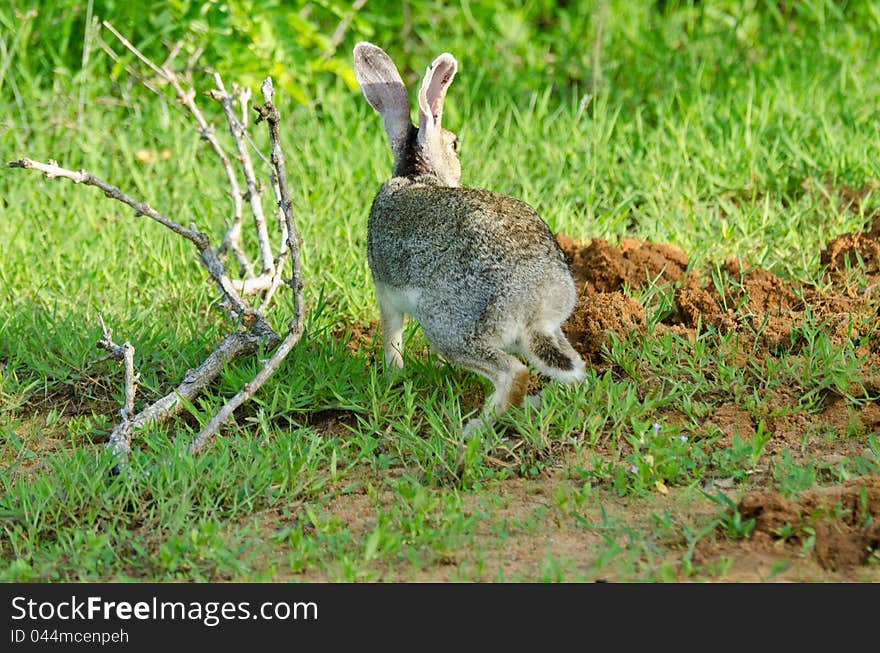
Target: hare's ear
[(384, 89), (437, 79)]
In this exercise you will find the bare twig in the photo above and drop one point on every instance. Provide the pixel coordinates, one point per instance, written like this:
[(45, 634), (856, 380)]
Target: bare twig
[(186, 97), (172, 55), (227, 101), (120, 439), (209, 258), (239, 343), (106, 342), (269, 113), (194, 57), (283, 251), (147, 82)]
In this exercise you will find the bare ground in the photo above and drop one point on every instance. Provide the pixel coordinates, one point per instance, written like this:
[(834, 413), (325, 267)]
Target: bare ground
[(828, 533), (825, 534)]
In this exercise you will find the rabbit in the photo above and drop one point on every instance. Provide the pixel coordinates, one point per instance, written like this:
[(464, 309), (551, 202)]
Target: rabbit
[(481, 272)]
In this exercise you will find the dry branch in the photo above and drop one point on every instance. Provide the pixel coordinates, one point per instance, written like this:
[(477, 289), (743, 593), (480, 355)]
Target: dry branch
[(283, 250), (195, 380), (208, 256), (269, 113), (235, 344), (120, 440), (227, 101), (256, 332)]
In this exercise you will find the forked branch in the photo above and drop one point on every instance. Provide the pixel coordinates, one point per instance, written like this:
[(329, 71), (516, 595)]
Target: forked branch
[(120, 440), (257, 331), (208, 256), (269, 113)]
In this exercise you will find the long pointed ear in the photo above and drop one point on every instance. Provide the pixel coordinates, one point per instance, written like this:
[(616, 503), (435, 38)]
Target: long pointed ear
[(384, 89), (437, 79)]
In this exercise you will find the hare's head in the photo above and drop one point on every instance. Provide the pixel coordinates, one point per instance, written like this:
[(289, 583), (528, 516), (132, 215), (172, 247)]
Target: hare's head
[(428, 148)]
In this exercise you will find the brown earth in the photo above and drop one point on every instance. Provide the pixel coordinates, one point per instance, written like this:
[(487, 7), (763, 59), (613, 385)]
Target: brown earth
[(769, 312), (845, 520), (838, 526), (827, 533), (851, 250), (751, 300), (603, 268)]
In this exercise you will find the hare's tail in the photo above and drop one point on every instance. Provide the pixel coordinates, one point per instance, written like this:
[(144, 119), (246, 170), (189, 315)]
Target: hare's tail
[(552, 354)]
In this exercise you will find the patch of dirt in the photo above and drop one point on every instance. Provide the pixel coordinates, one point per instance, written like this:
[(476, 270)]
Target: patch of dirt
[(842, 417), (770, 316), (522, 529), (600, 267), (742, 297), (89, 394), (784, 418), (357, 335), (37, 445), (516, 530), (332, 422), (852, 250), (839, 526), (597, 316), (732, 421), (697, 306)]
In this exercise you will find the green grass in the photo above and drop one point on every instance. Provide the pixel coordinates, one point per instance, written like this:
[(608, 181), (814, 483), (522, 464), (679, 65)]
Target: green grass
[(714, 128)]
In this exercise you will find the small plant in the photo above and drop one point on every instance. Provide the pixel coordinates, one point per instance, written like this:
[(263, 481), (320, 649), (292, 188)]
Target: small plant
[(791, 478), (729, 518), (661, 455), (742, 457), (808, 541)]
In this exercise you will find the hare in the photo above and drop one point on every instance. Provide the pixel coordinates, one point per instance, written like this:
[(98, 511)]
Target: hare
[(480, 271)]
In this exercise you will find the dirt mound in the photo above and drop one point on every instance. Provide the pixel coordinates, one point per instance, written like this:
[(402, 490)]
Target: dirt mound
[(597, 316), (852, 250), (759, 290), (840, 525), (732, 421), (747, 296), (696, 304), (746, 299), (604, 268)]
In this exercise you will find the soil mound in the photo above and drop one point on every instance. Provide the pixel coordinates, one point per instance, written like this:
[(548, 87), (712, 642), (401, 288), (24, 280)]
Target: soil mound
[(604, 268), (597, 316), (839, 524), (854, 250), (750, 300)]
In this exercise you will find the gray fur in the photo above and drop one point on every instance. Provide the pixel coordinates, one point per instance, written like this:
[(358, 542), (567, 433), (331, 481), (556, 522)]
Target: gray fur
[(480, 271)]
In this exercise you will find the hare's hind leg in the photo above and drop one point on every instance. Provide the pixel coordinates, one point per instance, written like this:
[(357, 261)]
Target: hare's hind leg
[(552, 354), (392, 330), (509, 376)]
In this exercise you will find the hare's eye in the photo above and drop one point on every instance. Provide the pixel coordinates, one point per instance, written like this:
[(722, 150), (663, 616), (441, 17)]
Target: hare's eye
[(454, 145)]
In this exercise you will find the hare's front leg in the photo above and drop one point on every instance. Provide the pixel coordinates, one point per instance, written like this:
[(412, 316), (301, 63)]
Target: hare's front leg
[(392, 330)]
